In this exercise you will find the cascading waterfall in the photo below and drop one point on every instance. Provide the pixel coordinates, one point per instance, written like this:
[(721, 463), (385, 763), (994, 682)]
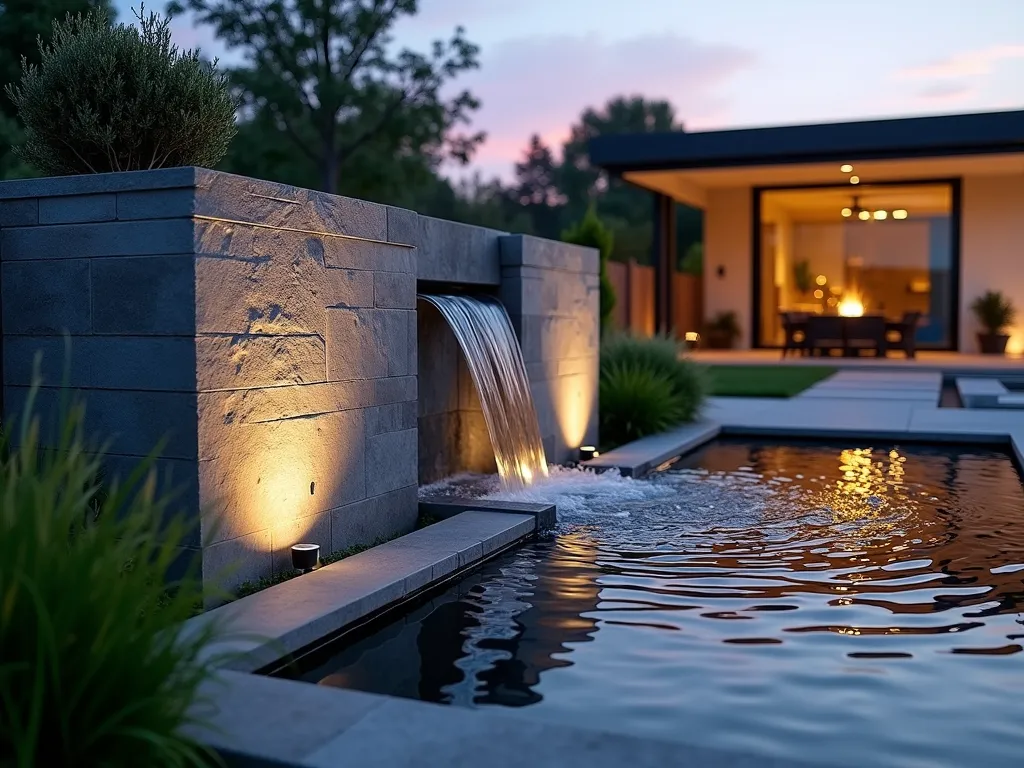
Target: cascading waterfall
[(485, 333)]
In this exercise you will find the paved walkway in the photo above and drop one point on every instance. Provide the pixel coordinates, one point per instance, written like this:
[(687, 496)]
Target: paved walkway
[(878, 403), (947, 362)]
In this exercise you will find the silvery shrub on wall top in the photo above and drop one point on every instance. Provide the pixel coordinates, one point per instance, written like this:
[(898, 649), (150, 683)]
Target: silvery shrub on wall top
[(121, 98)]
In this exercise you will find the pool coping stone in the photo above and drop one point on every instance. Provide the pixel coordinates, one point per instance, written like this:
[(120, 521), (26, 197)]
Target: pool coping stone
[(271, 625), (264, 721), (443, 508), (640, 457)]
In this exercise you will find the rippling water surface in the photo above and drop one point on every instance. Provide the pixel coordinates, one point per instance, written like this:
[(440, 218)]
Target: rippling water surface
[(859, 604)]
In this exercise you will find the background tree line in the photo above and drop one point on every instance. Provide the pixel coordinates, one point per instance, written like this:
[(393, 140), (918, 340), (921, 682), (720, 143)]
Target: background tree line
[(329, 101)]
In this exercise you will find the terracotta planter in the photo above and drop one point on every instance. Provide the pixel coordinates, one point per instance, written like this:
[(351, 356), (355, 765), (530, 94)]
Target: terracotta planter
[(992, 343), (716, 340)]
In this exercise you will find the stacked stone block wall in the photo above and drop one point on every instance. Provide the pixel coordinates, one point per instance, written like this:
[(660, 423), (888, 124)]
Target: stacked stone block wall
[(552, 295), (267, 332), (271, 337), (306, 370), (100, 269)]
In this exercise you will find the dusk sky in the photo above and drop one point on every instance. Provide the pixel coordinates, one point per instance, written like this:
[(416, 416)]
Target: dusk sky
[(722, 64)]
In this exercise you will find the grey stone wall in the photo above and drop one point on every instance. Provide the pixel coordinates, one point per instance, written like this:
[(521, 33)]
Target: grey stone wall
[(99, 258), (551, 292), (269, 332), (306, 370), (270, 335)]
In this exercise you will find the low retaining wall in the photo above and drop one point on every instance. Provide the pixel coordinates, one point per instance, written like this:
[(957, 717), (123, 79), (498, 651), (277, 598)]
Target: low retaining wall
[(270, 333)]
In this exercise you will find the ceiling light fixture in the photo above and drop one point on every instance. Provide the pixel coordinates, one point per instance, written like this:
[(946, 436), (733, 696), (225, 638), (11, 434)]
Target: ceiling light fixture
[(846, 168), (880, 215), (855, 210), (855, 179), (899, 213)]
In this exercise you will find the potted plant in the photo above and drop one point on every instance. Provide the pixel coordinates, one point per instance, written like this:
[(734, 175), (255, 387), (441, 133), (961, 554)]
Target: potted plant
[(995, 313), (802, 279), (721, 331)]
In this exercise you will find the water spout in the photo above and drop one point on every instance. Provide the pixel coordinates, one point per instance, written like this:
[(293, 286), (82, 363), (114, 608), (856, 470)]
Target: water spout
[(484, 331)]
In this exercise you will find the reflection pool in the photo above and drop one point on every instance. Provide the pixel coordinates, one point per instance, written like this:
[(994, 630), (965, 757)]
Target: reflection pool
[(853, 603)]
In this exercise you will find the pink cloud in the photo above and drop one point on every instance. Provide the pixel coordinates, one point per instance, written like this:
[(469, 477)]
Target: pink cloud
[(542, 84), (966, 64), (946, 93)]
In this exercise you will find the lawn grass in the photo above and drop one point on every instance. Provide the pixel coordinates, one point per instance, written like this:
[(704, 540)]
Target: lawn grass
[(764, 380)]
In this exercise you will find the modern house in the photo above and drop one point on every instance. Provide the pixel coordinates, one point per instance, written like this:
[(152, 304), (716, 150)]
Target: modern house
[(893, 216)]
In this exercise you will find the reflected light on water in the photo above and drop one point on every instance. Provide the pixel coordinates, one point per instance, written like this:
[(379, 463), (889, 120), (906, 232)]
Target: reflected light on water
[(799, 601)]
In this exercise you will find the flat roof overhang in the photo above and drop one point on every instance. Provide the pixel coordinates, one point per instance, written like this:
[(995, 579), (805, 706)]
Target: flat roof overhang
[(685, 165)]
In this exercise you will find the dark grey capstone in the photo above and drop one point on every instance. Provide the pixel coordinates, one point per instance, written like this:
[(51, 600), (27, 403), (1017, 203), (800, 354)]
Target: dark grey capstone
[(76, 209), (403, 226), (457, 253), (115, 238), (95, 183)]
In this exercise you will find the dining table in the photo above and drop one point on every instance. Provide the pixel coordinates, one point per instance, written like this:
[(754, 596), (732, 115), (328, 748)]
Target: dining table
[(850, 334)]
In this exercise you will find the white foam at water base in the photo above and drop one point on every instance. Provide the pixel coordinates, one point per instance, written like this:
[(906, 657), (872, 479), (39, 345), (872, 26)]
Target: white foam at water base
[(577, 492)]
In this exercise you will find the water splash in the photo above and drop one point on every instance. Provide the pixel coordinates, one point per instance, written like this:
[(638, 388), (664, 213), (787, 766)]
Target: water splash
[(484, 331), (579, 494)]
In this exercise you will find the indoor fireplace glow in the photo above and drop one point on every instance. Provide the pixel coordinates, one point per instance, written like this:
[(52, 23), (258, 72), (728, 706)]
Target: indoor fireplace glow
[(851, 306)]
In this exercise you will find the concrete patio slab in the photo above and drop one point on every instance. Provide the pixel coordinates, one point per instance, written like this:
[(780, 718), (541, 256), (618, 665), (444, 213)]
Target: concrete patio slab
[(734, 407), (270, 625), (881, 382), (871, 393), (827, 418), (980, 393), (1011, 400), (949, 363), (964, 422)]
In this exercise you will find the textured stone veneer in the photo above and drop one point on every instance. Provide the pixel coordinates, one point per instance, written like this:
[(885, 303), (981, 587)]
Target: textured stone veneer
[(270, 334)]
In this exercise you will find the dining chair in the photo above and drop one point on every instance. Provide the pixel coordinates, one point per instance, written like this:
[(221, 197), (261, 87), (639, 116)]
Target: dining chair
[(824, 334), (906, 328), (794, 328), (865, 333)]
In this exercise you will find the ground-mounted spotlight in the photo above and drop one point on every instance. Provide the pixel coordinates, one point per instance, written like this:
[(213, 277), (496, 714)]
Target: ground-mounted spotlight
[(305, 557), (588, 452)]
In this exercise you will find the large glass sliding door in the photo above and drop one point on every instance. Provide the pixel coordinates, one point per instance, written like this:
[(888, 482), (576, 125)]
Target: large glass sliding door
[(859, 249)]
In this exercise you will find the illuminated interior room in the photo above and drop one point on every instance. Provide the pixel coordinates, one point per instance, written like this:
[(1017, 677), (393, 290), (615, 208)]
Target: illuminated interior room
[(881, 249)]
